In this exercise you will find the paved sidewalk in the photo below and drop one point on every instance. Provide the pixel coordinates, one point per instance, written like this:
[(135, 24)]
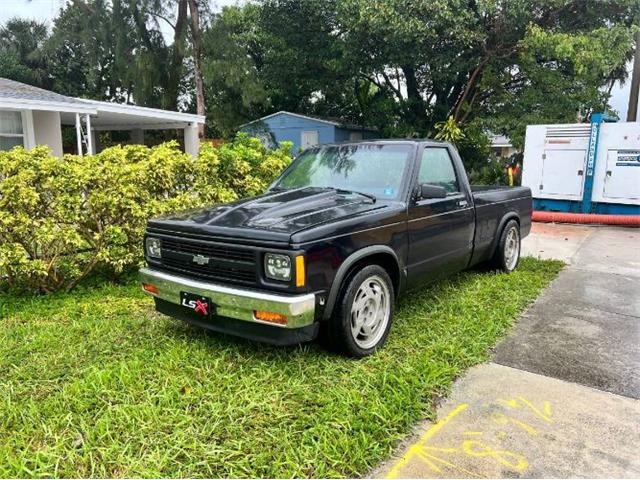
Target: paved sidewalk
[(560, 396)]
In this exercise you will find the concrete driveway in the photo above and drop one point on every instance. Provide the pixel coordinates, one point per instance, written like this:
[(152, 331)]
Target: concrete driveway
[(560, 397)]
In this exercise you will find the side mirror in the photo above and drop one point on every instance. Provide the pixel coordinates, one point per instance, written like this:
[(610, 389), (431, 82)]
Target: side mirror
[(427, 190)]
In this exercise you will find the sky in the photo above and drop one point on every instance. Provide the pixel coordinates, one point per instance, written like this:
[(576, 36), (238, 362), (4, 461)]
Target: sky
[(46, 10)]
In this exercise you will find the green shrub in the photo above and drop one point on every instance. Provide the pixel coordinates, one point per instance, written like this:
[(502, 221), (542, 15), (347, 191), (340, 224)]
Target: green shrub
[(63, 218)]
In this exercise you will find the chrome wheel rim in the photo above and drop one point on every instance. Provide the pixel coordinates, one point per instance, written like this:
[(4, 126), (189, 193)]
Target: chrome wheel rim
[(370, 312), (511, 248)]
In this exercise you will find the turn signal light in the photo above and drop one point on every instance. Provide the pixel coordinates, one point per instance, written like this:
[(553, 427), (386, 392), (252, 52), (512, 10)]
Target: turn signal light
[(270, 317), (147, 287), (300, 271)]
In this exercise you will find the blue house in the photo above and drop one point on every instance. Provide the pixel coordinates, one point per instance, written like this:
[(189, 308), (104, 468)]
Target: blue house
[(304, 130)]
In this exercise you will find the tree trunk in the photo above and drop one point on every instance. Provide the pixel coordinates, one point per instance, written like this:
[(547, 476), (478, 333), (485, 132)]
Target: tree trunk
[(470, 85), (197, 61), (414, 98), (632, 112), (177, 57)]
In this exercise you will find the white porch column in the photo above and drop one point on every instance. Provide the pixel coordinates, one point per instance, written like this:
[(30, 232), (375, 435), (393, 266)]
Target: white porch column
[(137, 136), (191, 139), (28, 129), (79, 134), (95, 139), (90, 147)]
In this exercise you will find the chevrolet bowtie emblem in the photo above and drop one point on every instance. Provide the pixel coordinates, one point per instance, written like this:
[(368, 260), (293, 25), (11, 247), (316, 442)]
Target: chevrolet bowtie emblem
[(201, 259)]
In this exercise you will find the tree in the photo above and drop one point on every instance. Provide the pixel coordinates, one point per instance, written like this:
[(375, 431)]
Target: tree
[(21, 57), (472, 59), (498, 63), (90, 51), (279, 55), (632, 113), (196, 35), (112, 50), (233, 58)]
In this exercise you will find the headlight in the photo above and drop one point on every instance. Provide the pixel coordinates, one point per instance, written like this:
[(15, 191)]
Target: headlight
[(277, 267), (153, 247)]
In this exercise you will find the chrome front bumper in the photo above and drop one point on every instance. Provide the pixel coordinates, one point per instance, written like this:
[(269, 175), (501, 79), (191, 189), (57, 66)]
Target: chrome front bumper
[(234, 302)]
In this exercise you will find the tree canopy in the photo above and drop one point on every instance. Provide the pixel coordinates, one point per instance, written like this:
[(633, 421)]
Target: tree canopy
[(402, 66)]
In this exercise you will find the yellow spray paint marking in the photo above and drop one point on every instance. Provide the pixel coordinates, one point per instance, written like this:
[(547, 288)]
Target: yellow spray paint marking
[(430, 459), (417, 447), (544, 414), (431, 455), (512, 403), (502, 419), (479, 449)]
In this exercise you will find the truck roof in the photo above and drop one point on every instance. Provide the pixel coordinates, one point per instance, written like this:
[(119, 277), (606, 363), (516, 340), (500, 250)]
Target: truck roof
[(384, 141)]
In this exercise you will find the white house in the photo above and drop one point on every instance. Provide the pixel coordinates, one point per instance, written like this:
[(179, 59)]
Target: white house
[(502, 146), (31, 116)]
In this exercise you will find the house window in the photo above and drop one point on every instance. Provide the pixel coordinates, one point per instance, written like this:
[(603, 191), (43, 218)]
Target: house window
[(354, 136), (308, 139), (11, 133)]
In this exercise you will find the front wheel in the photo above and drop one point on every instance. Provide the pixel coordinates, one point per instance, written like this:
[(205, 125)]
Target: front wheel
[(362, 320), (507, 254)]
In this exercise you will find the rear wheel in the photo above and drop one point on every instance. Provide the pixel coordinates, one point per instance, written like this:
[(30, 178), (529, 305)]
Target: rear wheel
[(507, 255), (363, 315)]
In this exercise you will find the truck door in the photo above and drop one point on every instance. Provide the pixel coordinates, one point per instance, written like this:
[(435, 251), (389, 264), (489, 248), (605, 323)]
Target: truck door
[(440, 230)]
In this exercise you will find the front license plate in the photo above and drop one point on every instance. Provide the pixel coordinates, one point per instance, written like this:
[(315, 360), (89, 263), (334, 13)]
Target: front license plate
[(199, 304)]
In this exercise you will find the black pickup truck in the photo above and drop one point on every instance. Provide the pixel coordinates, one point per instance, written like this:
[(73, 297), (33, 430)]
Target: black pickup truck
[(329, 247)]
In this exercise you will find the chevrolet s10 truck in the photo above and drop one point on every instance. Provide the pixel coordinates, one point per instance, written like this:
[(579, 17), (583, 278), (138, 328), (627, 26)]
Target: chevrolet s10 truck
[(328, 249)]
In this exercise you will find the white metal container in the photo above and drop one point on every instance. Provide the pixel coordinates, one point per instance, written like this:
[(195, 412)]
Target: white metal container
[(556, 164)]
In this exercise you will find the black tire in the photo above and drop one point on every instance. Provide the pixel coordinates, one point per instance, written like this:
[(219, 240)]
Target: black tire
[(339, 333), (502, 258)]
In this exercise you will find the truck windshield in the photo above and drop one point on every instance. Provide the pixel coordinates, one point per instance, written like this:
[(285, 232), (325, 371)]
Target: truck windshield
[(368, 168)]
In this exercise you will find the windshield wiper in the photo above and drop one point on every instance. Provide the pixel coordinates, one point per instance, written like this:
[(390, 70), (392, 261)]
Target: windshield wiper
[(371, 197)]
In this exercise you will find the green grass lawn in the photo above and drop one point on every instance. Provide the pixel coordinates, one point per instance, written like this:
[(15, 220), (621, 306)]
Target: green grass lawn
[(94, 383)]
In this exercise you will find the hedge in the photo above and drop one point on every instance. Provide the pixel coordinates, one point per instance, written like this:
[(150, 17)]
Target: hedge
[(62, 219)]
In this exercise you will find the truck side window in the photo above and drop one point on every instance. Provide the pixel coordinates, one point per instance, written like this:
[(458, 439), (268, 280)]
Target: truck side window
[(436, 168)]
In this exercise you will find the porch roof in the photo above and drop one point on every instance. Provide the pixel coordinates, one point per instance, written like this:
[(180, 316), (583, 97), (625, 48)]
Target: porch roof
[(104, 115)]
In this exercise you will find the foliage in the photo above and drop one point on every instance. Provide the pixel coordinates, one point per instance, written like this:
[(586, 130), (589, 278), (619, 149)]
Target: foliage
[(560, 79), (449, 131), (474, 148), (400, 66), (90, 52), (62, 219), (94, 384), (21, 56), (498, 64), (106, 50), (234, 93)]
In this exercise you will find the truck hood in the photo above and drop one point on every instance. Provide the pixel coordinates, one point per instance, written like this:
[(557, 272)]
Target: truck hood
[(272, 217)]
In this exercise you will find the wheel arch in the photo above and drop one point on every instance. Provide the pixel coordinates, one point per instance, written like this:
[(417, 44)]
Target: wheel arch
[(511, 215), (376, 254)]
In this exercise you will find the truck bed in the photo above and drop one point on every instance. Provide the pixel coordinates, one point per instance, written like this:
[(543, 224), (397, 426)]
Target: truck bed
[(492, 203), (497, 193)]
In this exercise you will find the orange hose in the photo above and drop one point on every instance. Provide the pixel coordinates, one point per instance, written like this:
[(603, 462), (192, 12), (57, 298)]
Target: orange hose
[(566, 217)]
